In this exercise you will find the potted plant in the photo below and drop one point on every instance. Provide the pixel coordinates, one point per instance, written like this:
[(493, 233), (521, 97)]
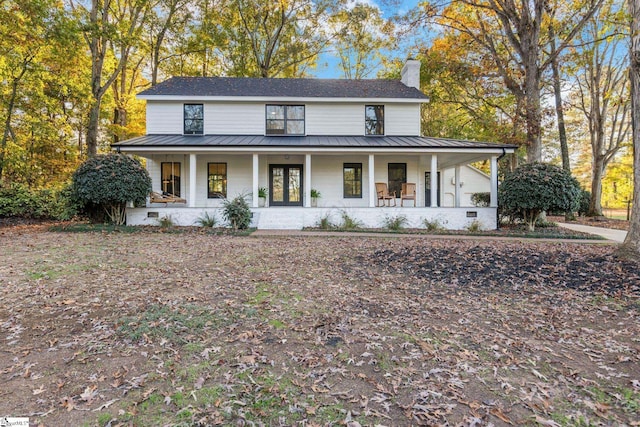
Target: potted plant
[(315, 195), (262, 196)]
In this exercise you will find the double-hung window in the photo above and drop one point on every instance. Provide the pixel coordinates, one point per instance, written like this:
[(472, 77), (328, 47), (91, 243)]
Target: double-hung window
[(285, 120), (374, 119), (193, 119), (352, 179), (217, 180)]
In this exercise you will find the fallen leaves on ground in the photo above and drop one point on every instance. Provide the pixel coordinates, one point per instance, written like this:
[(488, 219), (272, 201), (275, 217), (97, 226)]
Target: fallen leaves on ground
[(209, 330)]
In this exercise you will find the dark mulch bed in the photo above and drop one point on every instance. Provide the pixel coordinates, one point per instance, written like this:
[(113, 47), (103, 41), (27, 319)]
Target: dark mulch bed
[(515, 267)]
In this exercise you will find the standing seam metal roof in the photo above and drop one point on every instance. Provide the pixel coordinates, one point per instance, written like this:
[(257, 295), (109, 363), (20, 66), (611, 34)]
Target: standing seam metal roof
[(160, 141)]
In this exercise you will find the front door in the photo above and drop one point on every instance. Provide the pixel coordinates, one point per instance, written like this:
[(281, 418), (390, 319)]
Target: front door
[(285, 185)]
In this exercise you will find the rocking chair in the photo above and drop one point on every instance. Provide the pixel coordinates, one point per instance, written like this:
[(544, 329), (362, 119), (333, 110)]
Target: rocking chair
[(383, 194)]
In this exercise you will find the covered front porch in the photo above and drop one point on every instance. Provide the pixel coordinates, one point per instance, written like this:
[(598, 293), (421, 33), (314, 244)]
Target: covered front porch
[(346, 171), (346, 182)]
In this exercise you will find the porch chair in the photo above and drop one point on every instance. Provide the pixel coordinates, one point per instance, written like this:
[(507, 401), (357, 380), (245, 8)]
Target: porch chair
[(383, 194), (408, 192), (156, 197)]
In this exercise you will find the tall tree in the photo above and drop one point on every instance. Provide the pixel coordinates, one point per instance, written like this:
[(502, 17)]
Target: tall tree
[(466, 98), (513, 34), (284, 36), (557, 95), (167, 18), (362, 36), (631, 246), (101, 31), (602, 82), (38, 52)]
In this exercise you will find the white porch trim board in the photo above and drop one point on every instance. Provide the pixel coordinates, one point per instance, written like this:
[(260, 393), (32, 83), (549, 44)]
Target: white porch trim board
[(434, 180), (458, 185), (493, 201), (256, 180), (295, 218), (192, 180), (373, 196), (306, 173)]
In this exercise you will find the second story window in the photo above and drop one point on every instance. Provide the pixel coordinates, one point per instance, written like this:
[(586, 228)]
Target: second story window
[(285, 120), (193, 119), (374, 119)]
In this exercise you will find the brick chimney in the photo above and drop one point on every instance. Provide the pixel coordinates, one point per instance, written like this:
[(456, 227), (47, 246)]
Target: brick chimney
[(411, 73)]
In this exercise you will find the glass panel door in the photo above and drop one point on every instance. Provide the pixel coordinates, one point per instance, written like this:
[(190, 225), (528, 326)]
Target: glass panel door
[(286, 185), (277, 185), (295, 175)]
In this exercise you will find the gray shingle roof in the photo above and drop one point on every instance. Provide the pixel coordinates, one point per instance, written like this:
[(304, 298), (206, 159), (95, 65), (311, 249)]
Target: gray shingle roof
[(160, 141), (295, 88)]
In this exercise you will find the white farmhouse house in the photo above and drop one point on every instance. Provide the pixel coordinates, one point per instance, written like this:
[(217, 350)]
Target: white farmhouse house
[(217, 137)]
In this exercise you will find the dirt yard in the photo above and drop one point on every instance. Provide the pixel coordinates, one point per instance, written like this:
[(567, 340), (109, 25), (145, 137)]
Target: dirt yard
[(191, 329)]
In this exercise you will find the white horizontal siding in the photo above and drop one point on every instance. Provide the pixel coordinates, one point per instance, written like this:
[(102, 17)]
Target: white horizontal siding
[(243, 118), (334, 119), (234, 119), (239, 177), (327, 178), (402, 119), (164, 118)]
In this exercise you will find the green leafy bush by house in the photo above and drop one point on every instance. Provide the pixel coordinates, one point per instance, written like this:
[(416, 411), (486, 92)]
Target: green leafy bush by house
[(534, 188), (237, 212), (109, 182)]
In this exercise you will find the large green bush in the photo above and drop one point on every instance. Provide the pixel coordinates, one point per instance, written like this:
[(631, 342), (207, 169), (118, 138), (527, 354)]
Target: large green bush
[(111, 181), (17, 200), (534, 188)]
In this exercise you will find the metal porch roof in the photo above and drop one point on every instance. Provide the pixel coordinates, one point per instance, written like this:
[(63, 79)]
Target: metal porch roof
[(262, 141)]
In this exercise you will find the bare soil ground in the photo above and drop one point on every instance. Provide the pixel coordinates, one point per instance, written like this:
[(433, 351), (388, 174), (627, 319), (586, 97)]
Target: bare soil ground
[(192, 329)]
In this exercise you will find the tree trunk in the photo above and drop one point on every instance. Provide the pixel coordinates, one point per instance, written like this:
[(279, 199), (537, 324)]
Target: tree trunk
[(533, 110), (7, 124), (10, 106), (631, 246), (597, 171), (557, 91), (92, 127)]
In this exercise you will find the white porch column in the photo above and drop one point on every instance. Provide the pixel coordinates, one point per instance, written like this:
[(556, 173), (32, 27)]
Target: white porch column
[(372, 182), (434, 181), (493, 201), (256, 181), (192, 180), (307, 180), (458, 187)]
